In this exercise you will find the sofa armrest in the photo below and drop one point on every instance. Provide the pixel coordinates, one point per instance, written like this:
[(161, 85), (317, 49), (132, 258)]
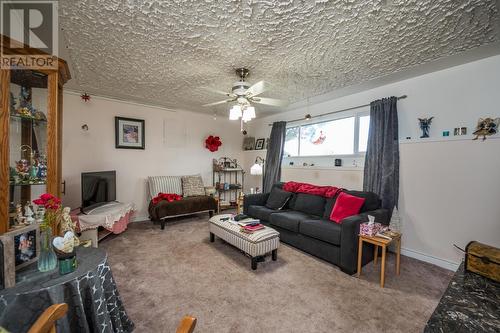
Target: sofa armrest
[(258, 199), (349, 238)]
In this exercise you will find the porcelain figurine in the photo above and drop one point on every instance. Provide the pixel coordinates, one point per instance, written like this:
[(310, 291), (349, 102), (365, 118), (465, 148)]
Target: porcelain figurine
[(425, 124), (28, 213), (19, 214), (67, 225), (22, 166)]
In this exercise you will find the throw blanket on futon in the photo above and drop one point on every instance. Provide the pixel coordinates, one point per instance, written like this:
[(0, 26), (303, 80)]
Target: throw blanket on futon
[(324, 191), (166, 196)]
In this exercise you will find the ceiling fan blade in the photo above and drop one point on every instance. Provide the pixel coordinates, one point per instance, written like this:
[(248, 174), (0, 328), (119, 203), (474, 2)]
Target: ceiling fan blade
[(257, 88), (270, 101), (220, 92), (220, 102)]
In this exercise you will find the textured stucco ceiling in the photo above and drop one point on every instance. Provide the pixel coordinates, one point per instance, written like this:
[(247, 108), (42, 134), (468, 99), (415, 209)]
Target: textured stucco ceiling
[(165, 52)]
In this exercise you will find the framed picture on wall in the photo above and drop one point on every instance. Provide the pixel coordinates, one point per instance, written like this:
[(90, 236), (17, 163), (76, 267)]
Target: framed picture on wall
[(259, 144), (129, 133), (249, 143)]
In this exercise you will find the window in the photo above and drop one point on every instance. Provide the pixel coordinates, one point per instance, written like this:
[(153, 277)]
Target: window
[(291, 147), (346, 136), (364, 124)]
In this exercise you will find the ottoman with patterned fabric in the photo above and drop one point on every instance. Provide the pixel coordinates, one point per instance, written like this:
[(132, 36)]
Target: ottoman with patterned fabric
[(255, 245)]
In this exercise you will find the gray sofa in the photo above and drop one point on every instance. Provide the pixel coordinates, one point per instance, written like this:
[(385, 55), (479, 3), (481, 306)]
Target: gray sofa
[(304, 223)]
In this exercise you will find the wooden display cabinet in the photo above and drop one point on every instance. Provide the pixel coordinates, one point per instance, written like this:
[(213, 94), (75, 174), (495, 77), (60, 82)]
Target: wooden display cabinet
[(30, 134)]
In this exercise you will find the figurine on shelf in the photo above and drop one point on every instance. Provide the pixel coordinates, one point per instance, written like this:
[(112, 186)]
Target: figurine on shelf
[(68, 225), (19, 214), (22, 167), (33, 172), (39, 115), (42, 167), (28, 213), (486, 127), (25, 107), (39, 214), (425, 124)]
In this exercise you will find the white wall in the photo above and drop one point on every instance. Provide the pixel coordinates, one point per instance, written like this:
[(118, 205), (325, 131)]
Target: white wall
[(182, 154), (449, 188)]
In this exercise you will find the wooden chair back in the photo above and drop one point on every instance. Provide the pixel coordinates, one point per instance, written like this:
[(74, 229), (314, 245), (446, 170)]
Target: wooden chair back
[(46, 323), (186, 325)]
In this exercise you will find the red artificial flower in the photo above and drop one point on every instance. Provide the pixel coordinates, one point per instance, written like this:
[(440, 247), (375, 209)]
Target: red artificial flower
[(48, 201), (213, 143)]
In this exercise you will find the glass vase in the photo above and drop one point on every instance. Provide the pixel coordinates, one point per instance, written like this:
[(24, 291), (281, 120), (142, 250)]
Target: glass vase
[(48, 259)]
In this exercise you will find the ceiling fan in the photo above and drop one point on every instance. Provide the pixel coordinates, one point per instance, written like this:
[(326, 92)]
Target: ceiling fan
[(245, 94)]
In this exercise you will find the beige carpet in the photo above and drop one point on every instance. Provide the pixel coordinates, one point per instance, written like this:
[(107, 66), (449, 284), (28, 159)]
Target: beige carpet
[(163, 275)]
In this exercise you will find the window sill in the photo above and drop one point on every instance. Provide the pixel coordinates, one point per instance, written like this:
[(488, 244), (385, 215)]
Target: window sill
[(331, 168)]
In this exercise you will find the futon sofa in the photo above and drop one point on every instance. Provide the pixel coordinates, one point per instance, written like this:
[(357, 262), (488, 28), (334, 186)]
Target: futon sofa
[(304, 223), (161, 211)]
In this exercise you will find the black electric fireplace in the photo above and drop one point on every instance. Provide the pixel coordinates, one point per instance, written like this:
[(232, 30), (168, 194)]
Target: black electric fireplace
[(98, 188)]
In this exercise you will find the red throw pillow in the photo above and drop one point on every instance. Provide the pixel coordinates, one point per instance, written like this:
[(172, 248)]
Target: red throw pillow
[(345, 206)]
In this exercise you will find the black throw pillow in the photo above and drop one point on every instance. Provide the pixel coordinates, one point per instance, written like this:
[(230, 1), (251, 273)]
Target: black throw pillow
[(278, 198)]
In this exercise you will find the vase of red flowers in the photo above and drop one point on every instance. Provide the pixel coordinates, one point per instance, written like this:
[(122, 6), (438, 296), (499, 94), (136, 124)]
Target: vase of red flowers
[(47, 260)]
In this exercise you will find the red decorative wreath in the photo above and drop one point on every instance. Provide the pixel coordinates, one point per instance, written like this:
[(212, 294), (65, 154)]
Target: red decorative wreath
[(213, 143)]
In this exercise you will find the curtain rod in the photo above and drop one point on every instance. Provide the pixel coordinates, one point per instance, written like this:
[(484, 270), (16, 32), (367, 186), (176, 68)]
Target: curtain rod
[(342, 110)]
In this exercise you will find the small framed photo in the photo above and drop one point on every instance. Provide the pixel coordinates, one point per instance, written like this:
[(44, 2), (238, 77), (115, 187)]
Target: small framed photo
[(129, 133), (259, 144), (249, 143), (20, 247)]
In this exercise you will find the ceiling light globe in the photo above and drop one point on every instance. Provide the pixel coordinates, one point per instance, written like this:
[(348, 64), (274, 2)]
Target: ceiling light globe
[(235, 112), (251, 112)]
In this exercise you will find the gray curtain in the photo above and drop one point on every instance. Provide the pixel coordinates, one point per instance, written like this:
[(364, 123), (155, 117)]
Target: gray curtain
[(382, 154), (272, 170)]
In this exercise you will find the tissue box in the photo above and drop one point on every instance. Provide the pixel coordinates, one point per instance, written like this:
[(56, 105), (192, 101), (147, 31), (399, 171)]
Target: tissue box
[(367, 229)]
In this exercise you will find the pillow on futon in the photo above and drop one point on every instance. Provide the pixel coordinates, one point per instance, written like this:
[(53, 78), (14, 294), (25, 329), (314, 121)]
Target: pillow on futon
[(346, 205), (192, 186), (278, 198)]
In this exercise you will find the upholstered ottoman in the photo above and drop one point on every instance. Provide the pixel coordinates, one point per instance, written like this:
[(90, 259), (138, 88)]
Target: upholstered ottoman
[(255, 245)]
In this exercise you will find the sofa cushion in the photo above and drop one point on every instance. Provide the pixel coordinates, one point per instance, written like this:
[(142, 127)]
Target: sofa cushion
[(372, 201), (260, 212), (277, 198), (164, 184), (329, 203), (192, 186), (346, 205), (289, 220), (322, 229), (311, 204)]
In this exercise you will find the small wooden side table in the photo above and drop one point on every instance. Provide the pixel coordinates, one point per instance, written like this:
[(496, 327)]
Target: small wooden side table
[(382, 242)]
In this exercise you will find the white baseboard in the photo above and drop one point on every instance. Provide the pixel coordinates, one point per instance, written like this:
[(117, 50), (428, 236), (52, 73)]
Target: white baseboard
[(140, 218), (450, 265)]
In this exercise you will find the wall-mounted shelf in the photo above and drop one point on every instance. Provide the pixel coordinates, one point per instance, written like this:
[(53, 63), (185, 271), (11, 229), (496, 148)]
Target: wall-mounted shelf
[(445, 139), (329, 168), (255, 151)]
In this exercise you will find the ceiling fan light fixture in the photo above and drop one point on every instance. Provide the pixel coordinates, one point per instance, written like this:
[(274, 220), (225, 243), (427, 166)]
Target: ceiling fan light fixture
[(235, 112), (248, 113)]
